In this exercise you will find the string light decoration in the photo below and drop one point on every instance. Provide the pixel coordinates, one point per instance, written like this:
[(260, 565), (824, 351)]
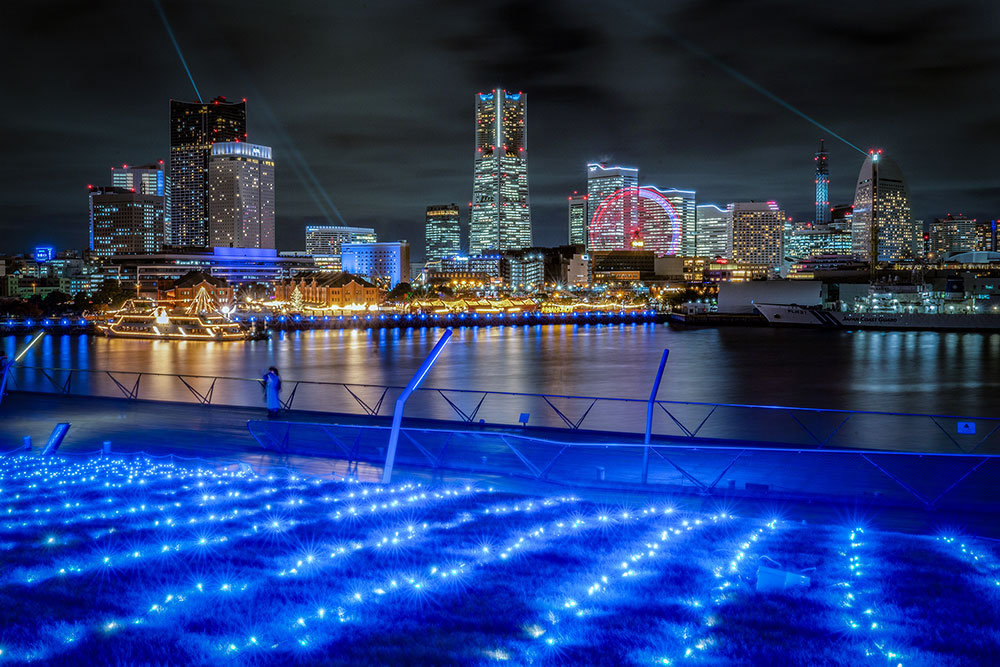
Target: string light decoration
[(109, 552), (860, 598)]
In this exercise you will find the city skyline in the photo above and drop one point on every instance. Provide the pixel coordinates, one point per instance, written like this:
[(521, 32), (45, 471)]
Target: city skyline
[(725, 140)]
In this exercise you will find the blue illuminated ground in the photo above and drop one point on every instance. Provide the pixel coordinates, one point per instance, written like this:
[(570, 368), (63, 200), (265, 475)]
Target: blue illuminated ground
[(134, 561)]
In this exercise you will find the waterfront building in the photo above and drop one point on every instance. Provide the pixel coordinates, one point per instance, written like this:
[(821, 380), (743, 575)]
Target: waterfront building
[(183, 291), (123, 221), (578, 219), (617, 266), (757, 233), (811, 239), (712, 225), (241, 195), (986, 236), (501, 212), (658, 226), (612, 191), (951, 234), (194, 128), (325, 291), (822, 184), (882, 229), (442, 233), (524, 270), (385, 264), (327, 239), (239, 266)]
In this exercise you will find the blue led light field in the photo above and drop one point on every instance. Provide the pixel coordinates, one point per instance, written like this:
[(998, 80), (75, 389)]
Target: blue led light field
[(114, 560)]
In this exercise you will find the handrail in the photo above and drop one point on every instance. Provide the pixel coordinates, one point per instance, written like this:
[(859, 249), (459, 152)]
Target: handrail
[(532, 395)]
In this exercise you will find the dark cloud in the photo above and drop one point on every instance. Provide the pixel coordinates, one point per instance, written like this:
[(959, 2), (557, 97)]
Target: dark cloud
[(375, 99)]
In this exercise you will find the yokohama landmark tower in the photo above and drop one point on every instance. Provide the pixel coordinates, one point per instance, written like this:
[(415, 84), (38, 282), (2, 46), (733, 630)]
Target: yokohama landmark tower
[(501, 214)]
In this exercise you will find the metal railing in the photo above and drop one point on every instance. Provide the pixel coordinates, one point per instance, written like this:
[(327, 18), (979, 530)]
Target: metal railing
[(956, 481), (676, 421)]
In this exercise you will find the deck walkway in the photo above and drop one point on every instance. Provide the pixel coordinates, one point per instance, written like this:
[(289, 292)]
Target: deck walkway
[(219, 433)]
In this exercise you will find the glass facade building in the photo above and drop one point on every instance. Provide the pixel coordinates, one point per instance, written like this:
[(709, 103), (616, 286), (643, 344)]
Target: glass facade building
[(712, 224), (442, 232), (241, 195), (619, 216), (578, 220), (385, 264), (881, 228), (685, 206), (194, 127), (501, 213), (951, 234)]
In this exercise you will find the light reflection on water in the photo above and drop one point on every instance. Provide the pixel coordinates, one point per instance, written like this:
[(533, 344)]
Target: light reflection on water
[(943, 373)]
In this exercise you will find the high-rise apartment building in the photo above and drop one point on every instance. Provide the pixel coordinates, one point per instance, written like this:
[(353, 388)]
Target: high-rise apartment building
[(578, 220), (501, 213), (125, 222), (616, 189), (241, 195), (713, 231), (757, 233), (194, 127), (986, 235), (822, 159), (951, 234), (882, 229), (442, 233)]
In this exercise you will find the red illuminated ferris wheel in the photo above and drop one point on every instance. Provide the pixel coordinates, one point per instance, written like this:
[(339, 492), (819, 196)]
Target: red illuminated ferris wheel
[(633, 218)]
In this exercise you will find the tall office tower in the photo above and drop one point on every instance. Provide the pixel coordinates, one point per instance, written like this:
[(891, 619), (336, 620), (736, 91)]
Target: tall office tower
[(713, 231), (327, 239), (684, 205), (125, 222), (194, 127), (822, 185), (881, 229), (757, 233), (842, 216), (442, 233), (501, 213), (240, 196), (616, 189), (951, 234), (147, 179), (578, 219)]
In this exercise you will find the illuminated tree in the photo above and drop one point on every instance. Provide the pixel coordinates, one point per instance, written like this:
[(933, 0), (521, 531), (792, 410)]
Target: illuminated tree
[(297, 300)]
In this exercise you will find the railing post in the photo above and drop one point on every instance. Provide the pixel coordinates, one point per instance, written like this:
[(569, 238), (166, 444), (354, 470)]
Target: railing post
[(5, 371), (649, 414), (397, 414)]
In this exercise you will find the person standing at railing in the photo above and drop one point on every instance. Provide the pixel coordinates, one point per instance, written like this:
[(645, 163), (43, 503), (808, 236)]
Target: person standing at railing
[(272, 391)]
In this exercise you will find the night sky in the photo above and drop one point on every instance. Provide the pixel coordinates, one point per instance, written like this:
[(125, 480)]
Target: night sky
[(376, 98)]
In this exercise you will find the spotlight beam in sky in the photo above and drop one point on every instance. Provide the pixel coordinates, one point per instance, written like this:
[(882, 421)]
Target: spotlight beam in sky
[(170, 32), (739, 76)]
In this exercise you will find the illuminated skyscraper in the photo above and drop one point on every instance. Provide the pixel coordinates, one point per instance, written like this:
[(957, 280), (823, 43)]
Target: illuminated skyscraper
[(757, 233), (147, 179), (241, 195), (125, 222), (578, 219), (881, 229), (442, 235), (713, 231), (619, 218), (194, 127), (822, 185), (684, 205), (951, 234), (501, 214)]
